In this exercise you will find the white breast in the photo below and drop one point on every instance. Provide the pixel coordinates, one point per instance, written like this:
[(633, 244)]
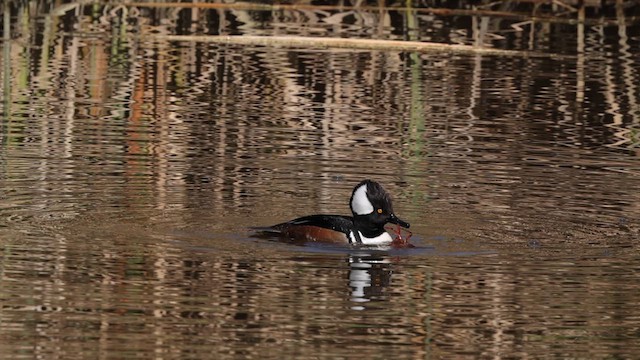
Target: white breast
[(381, 239)]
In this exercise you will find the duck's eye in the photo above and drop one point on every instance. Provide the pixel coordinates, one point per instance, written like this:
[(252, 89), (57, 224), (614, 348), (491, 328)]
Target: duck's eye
[(379, 211)]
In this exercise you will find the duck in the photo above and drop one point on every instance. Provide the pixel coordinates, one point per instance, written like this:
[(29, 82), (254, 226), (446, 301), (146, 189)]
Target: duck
[(371, 209)]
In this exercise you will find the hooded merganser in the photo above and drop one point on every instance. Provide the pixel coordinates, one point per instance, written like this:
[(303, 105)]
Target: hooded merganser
[(371, 208)]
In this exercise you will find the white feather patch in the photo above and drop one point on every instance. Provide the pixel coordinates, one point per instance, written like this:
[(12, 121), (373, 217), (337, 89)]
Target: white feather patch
[(381, 239), (360, 204)]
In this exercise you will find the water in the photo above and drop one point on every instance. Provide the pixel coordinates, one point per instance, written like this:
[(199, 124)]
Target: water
[(132, 169)]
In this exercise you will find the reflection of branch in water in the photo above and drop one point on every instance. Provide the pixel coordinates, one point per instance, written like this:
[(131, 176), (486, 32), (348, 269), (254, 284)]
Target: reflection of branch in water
[(346, 43), (369, 275)]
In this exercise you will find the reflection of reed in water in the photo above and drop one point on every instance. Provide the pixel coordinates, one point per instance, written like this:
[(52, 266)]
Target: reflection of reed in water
[(236, 122), (627, 130)]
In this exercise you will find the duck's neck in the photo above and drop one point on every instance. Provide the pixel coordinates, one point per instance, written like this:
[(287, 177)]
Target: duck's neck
[(366, 227)]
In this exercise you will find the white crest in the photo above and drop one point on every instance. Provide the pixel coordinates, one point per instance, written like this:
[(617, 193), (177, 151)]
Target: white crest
[(360, 204)]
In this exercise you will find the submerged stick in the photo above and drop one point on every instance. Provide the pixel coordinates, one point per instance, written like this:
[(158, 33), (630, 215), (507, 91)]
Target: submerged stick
[(347, 43)]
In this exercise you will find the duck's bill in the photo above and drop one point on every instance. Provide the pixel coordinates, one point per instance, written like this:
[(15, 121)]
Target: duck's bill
[(395, 220)]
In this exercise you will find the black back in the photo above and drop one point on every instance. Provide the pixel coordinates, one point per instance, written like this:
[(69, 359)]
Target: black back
[(341, 223)]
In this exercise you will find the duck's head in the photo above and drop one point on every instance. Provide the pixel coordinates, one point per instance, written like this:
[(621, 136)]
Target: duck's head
[(371, 203)]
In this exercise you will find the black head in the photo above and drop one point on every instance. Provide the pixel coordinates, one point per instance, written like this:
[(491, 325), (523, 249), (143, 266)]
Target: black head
[(371, 206)]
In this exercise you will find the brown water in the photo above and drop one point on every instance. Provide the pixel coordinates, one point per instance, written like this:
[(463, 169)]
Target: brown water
[(132, 169)]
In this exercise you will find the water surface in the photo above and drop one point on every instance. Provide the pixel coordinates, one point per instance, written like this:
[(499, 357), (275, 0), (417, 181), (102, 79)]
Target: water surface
[(132, 169)]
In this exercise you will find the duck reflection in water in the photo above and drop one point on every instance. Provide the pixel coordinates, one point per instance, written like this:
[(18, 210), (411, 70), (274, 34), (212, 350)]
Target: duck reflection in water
[(372, 209), (369, 275)]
